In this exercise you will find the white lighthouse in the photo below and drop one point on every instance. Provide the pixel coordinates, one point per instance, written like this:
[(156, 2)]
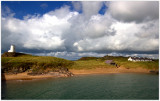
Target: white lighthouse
[(12, 48)]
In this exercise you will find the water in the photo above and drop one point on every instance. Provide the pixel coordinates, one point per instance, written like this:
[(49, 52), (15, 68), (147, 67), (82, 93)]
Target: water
[(104, 86)]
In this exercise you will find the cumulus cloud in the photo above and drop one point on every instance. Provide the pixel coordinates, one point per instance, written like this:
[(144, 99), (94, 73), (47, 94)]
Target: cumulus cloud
[(88, 33), (6, 11), (91, 8), (77, 5), (36, 32), (88, 8), (129, 36), (137, 11), (152, 56), (71, 55), (78, 55)]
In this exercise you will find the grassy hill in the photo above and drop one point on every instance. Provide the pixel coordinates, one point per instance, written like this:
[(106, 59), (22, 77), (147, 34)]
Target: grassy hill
[(90, 64), (27, 62), (99, 62)]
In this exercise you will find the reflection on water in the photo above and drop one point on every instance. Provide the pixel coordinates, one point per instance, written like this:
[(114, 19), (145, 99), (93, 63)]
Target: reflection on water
[(3, 86), (107, 86)]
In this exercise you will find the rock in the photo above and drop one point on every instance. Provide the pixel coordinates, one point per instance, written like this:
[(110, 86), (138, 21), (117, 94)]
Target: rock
[(154, 71), (33, 74), (60, 73)]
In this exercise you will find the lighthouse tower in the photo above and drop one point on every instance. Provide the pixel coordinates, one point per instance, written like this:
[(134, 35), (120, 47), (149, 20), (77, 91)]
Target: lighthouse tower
[(12, 48)]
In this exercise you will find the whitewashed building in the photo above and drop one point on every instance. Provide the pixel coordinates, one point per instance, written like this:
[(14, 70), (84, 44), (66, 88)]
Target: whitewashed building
[(134, 59), (130, 59), (12, 49)]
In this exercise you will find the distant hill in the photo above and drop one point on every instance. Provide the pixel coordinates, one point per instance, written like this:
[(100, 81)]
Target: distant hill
[(88, 58), (104, 58)]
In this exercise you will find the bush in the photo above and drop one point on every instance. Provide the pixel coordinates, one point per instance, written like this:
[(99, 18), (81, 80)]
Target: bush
[(88, 58)]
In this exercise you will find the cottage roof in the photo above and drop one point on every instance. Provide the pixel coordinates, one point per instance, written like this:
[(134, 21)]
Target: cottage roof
[(108, 61)]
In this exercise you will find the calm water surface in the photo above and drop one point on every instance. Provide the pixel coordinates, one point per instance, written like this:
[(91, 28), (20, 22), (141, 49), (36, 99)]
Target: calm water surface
[(102, 86)]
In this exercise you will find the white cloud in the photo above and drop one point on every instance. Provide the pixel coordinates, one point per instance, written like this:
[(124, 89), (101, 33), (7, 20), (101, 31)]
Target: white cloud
[(99, 26), (126, 38), (137, 11), (37, 32), (78, 55), (6, 12), (77, 5), (152, 56), (71, 55), (91, 8)]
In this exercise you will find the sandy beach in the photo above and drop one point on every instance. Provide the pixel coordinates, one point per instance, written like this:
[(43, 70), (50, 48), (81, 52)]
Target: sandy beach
[(109, 70), (24, 76)]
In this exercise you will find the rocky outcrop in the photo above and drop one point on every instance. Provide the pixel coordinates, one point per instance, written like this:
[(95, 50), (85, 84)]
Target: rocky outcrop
[(154, 71), (63, 72)]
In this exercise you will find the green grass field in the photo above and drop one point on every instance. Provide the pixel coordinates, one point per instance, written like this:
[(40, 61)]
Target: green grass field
[(90, 64), (147, 64), (99, 62)]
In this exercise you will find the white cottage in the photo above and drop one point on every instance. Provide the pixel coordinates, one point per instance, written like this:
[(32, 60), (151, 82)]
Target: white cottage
[(12, 49), (139, 59), (130, 59)]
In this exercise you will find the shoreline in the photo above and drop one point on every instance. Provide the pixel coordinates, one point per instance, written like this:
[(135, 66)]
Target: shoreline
[(24, 76), (109, 71)]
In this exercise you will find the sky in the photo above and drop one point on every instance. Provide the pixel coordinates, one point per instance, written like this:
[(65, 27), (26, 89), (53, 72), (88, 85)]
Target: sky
[(74, 29)]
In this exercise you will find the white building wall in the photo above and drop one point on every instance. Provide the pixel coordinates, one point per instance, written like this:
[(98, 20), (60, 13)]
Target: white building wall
[(12, 48), (130, 59)]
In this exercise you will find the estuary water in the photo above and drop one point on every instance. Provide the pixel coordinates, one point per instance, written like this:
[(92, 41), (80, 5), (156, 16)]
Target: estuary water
[(97, 86)]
